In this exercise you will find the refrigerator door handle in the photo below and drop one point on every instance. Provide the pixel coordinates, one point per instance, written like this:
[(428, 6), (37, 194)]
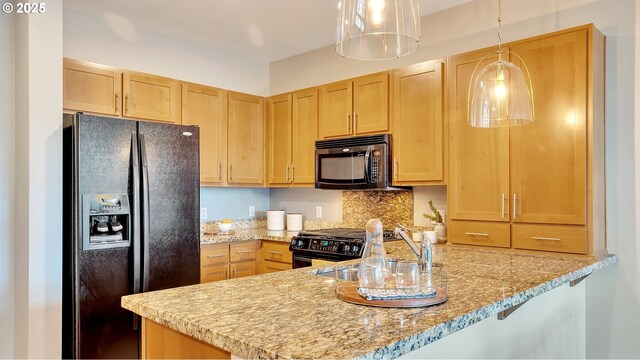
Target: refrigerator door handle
[(136, 219), (145, 215)]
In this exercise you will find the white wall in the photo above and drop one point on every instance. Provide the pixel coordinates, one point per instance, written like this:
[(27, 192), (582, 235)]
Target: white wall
[(38, 177), (549, 326), (613, 296), (305, 200), (226, 203), (118, 43), (7, 183)]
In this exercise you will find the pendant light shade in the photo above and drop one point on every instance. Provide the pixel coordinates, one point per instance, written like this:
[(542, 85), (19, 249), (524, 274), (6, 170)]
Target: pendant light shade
[(500, 94), (377, 29)]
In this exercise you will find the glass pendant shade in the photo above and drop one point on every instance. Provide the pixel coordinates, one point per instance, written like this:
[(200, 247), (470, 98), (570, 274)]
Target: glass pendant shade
[(500, 96), (377, 29)]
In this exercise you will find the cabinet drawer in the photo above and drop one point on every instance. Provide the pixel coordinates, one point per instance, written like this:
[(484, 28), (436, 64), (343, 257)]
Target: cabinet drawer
[(243, 251), (214, 255), (569, 239), (267, 266), (479, 233), (276, 251), (214, 273)]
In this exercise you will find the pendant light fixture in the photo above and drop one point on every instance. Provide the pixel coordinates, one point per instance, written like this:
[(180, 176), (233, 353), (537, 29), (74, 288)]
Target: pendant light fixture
[(500, 95), (377, 29)]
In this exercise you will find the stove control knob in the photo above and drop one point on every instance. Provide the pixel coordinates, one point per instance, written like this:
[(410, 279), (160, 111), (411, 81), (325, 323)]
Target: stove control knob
[(300, 243), (346, 248), (355, 249)]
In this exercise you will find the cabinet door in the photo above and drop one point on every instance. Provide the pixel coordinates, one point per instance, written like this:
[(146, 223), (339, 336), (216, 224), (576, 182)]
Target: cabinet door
[(548, 156), (214, 273), (91, 88), (336, 109), (151, 97), (418, 124), (305, 134), (206, 107), (279, 140), (242, 269), (479, 158), (245, 139), (371, 104)]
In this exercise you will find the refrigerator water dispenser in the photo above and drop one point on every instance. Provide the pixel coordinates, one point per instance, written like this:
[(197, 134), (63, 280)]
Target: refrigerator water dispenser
[(106, 221)]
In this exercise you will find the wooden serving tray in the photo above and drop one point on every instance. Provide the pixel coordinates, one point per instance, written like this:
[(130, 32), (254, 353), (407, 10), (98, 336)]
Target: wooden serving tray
[(348, 291)]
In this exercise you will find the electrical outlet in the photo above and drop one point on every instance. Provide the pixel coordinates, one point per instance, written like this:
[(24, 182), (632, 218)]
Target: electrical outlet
[(252, 211), (319, 212), (203, 213)]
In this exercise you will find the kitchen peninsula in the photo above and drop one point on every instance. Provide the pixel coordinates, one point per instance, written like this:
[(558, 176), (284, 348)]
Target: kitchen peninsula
[(295, 314)]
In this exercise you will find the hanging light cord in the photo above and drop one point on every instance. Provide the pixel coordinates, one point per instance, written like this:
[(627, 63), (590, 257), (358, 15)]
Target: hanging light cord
[(499, 30)]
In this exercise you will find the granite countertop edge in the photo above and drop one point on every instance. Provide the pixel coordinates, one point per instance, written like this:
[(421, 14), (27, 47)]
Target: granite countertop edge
[(246, 235)]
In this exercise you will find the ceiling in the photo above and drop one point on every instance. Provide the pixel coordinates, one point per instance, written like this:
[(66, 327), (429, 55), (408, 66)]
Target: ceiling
[(262, 30)]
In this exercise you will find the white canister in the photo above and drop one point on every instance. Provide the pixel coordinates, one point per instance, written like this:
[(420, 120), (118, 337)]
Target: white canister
[(275, 220), (294, 222)]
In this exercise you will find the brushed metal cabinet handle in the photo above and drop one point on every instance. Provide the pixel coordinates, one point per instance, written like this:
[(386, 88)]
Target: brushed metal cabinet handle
[(476, 234), (502, 206), (244, 251), (545, 238), (355, 122), (293, 173), (215, 256), (275, 252), (220, 171), (231, 172), (117, 105), (226, 274), (287, 173), (126, 104), (395, 168), (347, 124), (514, 205)]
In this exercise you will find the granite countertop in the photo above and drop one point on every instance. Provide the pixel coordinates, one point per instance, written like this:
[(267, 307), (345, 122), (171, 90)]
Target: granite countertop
[(295, 314), (256, 229), (245, 235)]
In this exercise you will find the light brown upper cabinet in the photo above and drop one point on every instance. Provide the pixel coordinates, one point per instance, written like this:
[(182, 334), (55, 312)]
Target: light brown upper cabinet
[(279, 129), (304, 136), (479, 158), (91, 88), (548, 176), (292, 129), (206, 107), (418, 124), (245, 140), (151, 97), (355, 107)]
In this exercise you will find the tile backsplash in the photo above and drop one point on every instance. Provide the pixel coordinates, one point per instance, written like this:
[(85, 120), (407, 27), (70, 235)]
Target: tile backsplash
[(390, 207)]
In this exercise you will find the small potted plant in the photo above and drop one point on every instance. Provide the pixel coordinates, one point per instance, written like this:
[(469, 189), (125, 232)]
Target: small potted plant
[(436, 218)]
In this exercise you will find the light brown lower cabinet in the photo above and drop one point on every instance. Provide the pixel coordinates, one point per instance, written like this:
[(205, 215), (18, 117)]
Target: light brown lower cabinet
[(228, 261), (161, 342), (274, 256)]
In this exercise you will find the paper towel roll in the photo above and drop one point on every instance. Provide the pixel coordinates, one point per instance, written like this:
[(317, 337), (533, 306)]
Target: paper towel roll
[(294, 222), (275, 219)]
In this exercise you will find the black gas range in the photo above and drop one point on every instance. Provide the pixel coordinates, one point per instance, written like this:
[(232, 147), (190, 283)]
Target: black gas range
[(329, 245)]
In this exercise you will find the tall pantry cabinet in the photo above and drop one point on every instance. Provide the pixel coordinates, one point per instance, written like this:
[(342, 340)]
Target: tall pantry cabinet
[(538, 186)]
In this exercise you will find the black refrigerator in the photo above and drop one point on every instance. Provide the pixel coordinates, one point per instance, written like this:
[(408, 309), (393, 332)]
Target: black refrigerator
[(131, 201)]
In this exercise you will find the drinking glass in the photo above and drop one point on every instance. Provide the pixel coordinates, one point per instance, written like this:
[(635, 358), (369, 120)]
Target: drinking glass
[(407, 274)]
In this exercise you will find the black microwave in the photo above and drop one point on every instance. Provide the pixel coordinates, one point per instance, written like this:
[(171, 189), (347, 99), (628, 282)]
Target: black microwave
[(355, 163)]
